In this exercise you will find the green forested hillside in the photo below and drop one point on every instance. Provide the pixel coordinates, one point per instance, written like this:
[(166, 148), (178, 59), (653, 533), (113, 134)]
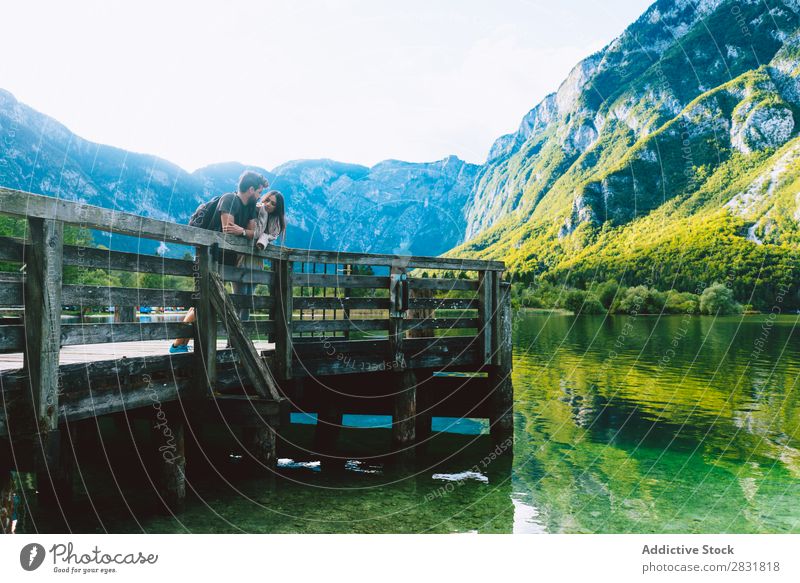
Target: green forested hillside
[(665, 161)]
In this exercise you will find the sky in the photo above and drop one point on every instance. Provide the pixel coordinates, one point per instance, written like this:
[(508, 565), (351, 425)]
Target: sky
[(263, 83)]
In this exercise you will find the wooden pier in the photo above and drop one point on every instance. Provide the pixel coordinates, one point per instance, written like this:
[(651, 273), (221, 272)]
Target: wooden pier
[(336, 333)]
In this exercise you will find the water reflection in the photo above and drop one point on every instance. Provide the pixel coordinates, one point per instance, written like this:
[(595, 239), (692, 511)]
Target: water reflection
[(676, 425)]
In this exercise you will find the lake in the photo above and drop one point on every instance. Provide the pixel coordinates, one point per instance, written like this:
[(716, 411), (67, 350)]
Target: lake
[(675, 424)]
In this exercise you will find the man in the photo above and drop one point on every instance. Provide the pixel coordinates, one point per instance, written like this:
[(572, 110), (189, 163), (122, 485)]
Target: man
[(235, 214)]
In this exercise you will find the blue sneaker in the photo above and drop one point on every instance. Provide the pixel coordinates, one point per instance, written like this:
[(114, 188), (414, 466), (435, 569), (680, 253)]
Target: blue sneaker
[(181, 349)]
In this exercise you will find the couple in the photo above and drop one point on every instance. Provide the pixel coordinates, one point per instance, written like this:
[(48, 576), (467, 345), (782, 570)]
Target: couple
[(249, 213)]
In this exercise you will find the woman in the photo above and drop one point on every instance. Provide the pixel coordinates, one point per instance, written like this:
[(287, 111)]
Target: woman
[(271, 219), (270, 224)]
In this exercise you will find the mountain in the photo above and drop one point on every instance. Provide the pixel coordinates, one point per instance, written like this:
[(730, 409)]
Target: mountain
[(670, 157), (393, 207)]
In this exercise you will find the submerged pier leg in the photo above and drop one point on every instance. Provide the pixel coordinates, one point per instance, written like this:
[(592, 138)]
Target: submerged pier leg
[(54, 461), (260, 441), (404, 415), (171, 461), (329, 425)]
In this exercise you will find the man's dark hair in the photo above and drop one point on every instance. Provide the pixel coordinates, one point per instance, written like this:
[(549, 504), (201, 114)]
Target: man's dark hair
[(250, 178)]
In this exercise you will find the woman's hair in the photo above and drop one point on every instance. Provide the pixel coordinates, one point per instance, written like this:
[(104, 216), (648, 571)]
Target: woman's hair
[(279, 214)]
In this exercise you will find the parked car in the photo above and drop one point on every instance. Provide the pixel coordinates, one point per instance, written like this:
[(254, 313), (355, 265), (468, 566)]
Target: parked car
[(145, 310)]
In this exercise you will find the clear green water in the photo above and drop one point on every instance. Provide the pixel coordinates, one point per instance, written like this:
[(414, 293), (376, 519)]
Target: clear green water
[(622, 424)]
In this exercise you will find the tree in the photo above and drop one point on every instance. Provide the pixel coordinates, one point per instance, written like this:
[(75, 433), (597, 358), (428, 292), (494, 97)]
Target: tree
[(606, 292), (718, 299)]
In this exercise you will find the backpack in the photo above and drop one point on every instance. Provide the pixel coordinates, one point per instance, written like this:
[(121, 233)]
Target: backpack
[(204, 214)]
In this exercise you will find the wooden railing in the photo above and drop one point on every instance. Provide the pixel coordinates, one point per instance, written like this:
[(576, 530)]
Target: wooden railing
[(327, 313), (342, 299)]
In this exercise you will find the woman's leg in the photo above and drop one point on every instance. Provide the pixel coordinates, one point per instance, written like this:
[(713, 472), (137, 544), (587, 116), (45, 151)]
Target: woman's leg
[(187, 319)]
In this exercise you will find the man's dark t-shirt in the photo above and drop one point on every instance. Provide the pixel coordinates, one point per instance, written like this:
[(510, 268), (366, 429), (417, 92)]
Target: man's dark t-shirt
[(231, 204)]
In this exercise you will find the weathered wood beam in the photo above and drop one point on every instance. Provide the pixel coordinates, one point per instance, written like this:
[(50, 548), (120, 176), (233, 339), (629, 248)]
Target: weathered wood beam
[(443, 284), (205, 333), (405, 261), (257, 370), (336, 280), (500, 384), (487, 308), (283, 310), (25, 204), (42, 295), (404, 379)]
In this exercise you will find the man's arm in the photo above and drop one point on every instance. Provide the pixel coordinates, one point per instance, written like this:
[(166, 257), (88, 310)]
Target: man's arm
[(229, 226)]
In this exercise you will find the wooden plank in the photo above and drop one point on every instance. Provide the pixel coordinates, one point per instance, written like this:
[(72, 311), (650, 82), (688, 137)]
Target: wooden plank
[(338, 325), (245, 275), (404, 381), (43, 320), (404, 410), (171, 459), (410, 262), (443, 304), (345, 303), (382, 324), (337, 280), (11, 294), (440, 323), (487, 306), (283, 310), (205, 334), (76, 334), (443, 284), (122, 261), (88, 295), (257, 370), (500, 383), (11, 249), (12, 338), (99, 373), (412, 346), (26, 204), (306, 303)]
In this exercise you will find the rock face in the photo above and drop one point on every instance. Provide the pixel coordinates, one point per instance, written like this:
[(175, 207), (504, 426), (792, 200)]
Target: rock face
[(764, 126), (643, 123), (392, 207)]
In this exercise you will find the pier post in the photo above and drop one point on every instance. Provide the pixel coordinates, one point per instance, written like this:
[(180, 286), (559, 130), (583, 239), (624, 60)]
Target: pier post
[(42, 297), (488, 292), (170, 449), (404, 408), (260, 442), (205, 343), (326, 434), (284, 307), (502, 396)]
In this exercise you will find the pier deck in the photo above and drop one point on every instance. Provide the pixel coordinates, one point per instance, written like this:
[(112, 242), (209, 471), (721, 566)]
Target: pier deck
[(328, 333)]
